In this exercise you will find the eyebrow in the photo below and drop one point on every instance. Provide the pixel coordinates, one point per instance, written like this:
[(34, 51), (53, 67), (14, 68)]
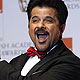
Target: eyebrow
[(35, 17), (49, 17)]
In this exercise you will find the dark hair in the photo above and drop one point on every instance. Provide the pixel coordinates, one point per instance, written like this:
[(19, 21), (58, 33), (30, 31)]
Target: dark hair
[(58, 5)]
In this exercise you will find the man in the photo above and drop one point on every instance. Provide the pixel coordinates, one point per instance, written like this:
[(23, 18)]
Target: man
[(52, 60)]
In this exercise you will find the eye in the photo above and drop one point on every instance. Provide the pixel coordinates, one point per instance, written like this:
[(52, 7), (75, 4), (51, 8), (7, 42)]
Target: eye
[(35, 20), (49, 21)]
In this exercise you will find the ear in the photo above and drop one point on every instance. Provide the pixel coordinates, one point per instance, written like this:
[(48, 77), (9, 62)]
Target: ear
[(62, 29)]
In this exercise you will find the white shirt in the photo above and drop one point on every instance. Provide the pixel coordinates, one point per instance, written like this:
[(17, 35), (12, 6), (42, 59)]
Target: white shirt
[(29, 64)]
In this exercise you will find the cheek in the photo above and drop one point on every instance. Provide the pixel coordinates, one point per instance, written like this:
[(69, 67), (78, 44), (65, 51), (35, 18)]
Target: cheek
[(54, 34), (31, 33), (30, 29), (52, 31)]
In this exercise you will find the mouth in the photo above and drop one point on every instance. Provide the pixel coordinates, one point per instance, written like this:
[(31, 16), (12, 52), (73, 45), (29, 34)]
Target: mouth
[(42, 36)]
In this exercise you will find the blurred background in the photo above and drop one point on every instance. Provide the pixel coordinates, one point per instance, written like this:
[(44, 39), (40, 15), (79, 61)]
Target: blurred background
[(14, 38)]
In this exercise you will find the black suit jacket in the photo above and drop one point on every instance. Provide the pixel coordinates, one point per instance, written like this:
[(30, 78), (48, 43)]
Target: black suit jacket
[(59, 64)]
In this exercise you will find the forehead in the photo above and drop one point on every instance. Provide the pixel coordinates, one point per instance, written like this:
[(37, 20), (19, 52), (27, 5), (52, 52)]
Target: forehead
[(43, 11)]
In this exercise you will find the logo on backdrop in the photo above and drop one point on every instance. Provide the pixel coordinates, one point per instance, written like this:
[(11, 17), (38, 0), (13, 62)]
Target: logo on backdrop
[(1, 10), (73, 4), (68, 42), (23, 5)]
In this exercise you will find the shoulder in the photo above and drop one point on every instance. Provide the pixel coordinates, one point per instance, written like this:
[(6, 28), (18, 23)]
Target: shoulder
[(64, 67), (19, 60)]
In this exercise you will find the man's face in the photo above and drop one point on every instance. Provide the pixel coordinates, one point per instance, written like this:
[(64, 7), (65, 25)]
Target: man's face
[(44, 27)]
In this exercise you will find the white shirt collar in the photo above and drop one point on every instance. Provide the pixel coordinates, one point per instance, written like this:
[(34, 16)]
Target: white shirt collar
[(52, 49)]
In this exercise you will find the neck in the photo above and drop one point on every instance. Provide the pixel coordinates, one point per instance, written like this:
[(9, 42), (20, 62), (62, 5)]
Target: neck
[(50, 48)]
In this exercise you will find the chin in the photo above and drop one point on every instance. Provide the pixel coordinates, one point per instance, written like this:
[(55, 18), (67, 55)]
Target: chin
[(41, 48)]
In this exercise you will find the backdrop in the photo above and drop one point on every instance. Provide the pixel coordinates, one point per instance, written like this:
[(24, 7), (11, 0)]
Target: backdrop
[(14, 38)]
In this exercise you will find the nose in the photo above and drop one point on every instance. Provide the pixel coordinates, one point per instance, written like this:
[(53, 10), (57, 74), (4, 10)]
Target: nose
[(41, 24)]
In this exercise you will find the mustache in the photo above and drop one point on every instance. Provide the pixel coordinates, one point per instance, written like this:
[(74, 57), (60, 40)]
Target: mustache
[(42, 29)]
